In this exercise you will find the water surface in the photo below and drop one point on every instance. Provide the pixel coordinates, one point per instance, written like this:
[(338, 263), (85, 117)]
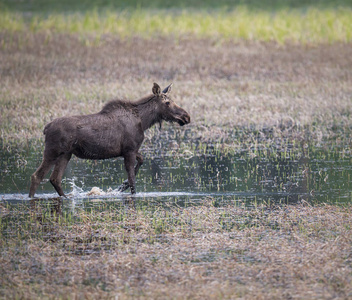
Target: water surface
[(188, 171)]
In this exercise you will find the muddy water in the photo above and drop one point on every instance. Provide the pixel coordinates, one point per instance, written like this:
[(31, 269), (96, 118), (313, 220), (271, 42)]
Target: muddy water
[(189, 172)]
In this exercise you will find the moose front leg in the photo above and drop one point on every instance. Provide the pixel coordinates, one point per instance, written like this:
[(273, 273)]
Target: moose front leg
[(56, 176), (126, 184), (130, 160)]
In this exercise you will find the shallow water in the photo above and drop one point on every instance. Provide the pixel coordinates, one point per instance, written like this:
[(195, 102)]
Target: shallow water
[(189, 172)]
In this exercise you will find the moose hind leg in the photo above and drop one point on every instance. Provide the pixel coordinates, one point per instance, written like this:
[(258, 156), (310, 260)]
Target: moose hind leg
[(39, 175), (125, 185), (56, 176)]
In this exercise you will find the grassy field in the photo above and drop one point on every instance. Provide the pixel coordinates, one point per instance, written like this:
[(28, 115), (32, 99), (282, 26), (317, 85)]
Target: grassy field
[(222, 85), (278, 71), (284, 25)]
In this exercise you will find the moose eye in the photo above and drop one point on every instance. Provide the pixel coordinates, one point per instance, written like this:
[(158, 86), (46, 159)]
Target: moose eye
[(167, 102)]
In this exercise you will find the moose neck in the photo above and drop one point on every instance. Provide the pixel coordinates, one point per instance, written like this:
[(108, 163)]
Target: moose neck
[(147, 110)]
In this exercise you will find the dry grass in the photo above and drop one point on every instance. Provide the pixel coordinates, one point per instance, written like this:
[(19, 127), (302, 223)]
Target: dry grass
[(44, 76), (203, 252)]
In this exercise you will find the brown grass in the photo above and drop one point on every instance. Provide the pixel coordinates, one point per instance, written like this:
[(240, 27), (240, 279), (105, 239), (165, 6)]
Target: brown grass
[(44, 76), (204, 252)]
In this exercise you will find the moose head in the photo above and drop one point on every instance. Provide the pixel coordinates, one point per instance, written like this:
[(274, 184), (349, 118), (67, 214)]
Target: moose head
[(167, 108)]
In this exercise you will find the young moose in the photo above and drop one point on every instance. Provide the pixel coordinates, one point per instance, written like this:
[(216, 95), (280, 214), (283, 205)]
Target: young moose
[(117, 130)]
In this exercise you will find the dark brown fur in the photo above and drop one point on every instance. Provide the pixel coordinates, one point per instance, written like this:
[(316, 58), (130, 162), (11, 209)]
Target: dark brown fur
[(117, 130)]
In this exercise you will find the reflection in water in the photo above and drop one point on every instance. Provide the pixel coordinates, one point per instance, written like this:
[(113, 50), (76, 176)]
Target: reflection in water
[(53, 204), (186, 176)]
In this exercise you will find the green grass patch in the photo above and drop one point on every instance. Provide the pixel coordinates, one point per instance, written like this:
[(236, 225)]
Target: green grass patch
[(309, 26)]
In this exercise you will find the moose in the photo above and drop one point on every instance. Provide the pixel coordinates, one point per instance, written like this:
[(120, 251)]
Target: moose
[(117, 130)]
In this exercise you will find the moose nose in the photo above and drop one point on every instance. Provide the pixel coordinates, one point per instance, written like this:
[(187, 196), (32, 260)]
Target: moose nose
[(187, 119)]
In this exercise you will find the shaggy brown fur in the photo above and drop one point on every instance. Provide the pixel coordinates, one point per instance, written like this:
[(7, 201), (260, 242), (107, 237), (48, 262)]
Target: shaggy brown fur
[(117, 130)]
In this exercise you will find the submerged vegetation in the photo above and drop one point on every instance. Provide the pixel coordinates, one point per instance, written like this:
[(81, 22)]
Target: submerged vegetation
[(98, 250)]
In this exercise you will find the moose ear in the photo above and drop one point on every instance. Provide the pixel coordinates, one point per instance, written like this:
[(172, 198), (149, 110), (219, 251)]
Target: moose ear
[(167, 89), (156, 89)]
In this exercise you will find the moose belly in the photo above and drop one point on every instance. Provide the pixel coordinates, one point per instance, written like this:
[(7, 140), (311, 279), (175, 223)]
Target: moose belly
[(95, 153), (97, 140), (96, 150)]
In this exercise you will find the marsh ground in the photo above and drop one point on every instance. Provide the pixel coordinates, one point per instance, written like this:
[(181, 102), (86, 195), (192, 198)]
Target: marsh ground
[(148, 251), (244, 96)]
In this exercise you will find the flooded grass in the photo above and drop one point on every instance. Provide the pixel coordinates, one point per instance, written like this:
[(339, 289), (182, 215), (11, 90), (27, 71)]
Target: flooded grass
[(180, 168), (208, 221), (152, 251)]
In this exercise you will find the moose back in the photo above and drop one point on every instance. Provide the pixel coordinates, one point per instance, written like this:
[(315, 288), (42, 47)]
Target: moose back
[(117, 130)]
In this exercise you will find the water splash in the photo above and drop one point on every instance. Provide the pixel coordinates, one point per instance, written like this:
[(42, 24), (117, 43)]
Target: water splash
[(75, 189)]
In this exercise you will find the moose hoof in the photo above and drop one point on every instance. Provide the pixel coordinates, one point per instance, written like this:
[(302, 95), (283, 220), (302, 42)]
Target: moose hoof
[(124, 186)]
